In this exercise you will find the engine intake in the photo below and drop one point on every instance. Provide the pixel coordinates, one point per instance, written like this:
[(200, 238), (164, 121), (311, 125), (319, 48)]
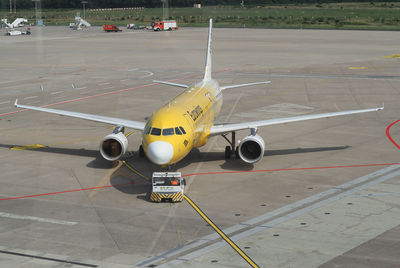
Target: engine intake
[(251, 149), (114, 146)]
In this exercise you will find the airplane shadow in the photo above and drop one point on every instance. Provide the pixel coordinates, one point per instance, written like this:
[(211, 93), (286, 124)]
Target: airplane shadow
[(130, 183), (99, 162), (235, 164), (195, 156)]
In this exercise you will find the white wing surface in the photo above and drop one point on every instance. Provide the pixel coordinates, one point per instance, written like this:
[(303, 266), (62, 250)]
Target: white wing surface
[(224, 128), (97, 118)]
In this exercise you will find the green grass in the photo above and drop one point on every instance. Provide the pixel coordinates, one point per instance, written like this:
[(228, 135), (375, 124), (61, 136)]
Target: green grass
[(378, 16)]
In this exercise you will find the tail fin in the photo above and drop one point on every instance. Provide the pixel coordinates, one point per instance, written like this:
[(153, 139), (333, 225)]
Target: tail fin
[(207, 70)]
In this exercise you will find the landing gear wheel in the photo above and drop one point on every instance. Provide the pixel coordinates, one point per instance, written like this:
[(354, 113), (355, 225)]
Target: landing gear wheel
[(228, 152), (141, 151)]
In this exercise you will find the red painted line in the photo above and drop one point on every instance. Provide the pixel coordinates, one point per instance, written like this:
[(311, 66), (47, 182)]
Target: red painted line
[(287, 169), (388, 133), (206, 173), (63, 192), (109, 93)]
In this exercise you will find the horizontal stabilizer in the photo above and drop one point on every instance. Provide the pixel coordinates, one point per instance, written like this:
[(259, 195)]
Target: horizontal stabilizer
[(171, 84), (245, 85)]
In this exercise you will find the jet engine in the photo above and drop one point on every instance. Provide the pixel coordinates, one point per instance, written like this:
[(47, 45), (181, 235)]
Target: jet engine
[(251, 148), (114, 145)]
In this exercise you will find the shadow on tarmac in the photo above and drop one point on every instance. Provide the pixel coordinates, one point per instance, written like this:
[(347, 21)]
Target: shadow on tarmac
[(126, 181)]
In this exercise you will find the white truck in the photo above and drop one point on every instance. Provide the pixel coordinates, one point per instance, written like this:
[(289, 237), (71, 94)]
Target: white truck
[(167, 186), (164, 25)]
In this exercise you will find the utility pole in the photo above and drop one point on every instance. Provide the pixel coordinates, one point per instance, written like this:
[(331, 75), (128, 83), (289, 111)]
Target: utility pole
[(84, 10), (37, 13)]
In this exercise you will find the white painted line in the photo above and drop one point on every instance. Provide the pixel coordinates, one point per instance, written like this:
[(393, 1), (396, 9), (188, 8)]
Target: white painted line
[(123, 80), (4, 102), (80, 87), (31, 97), (60, 97), (269, 215), (31, 218), (109, 87), (102, 84), (280, 220), (57, 92), (33, 102), (130, 70), (148, 74)]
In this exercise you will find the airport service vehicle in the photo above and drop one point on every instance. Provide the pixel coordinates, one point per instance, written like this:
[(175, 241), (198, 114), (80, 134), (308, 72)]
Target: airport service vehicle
[(164, 25), (131, 26), (79, 24), (187, 122), (111, 28), (18, 22), (167, 186), (15, 32)]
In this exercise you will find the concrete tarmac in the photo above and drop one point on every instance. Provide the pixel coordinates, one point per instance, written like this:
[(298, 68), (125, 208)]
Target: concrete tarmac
[(325, 194)]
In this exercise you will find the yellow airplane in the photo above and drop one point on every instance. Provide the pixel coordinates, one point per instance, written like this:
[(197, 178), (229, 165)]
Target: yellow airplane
[(187, 122)]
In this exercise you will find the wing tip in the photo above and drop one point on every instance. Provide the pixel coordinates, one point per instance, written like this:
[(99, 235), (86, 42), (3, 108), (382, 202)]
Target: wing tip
[(16, 103)]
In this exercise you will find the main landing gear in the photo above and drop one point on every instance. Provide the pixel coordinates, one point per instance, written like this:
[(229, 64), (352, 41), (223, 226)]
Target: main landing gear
[(232, 149)]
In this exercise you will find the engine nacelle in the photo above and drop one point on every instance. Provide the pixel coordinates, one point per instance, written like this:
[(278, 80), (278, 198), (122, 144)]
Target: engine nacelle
[(251, 149), (114, 146)]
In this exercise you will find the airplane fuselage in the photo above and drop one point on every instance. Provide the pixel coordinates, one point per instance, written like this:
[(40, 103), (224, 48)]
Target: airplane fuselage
[(182, 124)]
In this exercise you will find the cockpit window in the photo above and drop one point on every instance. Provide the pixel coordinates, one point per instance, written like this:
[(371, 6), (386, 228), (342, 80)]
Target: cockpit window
[(178, 131), (155, 131), (147, 130), (168, 131), (183, 131)]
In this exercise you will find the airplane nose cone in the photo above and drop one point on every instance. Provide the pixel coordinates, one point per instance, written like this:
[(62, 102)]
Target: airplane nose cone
[(160, 152)]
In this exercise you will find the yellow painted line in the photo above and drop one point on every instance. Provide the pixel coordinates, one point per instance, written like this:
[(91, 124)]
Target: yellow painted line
[(134, 170), (221, 233), (28, 147), (393, 56), (205, 217), (357, 68), (130, 133)]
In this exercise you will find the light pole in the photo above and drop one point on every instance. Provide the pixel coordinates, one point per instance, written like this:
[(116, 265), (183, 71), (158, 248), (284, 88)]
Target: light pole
[(84, 10), (37, 3), (165, 8)]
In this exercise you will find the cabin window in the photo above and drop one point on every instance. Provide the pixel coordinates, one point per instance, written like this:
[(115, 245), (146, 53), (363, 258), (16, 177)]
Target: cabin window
[(156, 131), (178, 131), (147, 130), (168, 131), (183, 130)]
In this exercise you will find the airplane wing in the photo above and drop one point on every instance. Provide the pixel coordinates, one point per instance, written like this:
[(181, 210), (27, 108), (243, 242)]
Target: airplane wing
[(225, 128), (244, 85), (97, 118), (170, 84)]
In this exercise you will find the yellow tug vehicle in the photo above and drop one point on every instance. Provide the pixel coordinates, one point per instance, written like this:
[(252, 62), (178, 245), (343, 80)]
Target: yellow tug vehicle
[(167, 187)]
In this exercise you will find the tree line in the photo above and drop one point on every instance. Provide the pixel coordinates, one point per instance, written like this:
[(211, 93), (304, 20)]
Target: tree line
[(158, 3)]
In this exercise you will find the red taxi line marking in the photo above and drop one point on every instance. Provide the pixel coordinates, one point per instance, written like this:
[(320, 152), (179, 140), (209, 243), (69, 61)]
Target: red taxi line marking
[(110, 93), (206, 173), (388, 133), (288, 169), (67, 191)]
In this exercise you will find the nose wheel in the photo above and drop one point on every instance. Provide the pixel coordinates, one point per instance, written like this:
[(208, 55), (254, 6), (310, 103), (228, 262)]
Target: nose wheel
[(141, 151)]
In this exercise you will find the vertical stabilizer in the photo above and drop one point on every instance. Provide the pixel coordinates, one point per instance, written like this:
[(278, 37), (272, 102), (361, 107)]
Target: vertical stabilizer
[(207, 70)]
